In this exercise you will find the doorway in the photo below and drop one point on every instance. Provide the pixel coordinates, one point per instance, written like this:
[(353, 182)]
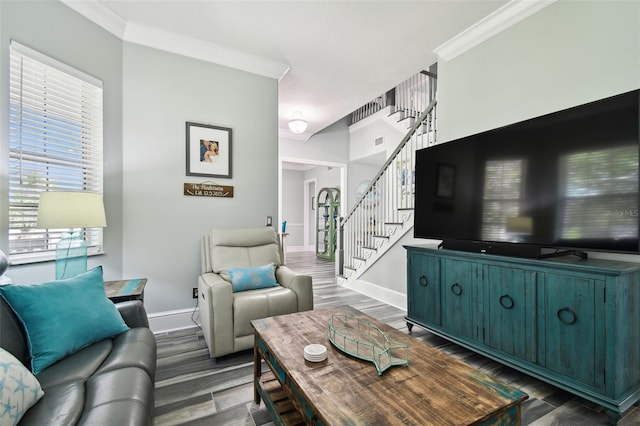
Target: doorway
[(310, 204), (303, 214)]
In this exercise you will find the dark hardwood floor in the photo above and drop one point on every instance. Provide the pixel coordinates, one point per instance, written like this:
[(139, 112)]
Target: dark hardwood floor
[(193, 389)]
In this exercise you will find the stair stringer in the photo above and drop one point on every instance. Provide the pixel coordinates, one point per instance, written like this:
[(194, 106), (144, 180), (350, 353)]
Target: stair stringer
[(394, 233)]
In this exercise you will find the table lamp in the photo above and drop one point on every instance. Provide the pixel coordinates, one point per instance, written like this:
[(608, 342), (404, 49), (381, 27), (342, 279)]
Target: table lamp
[(69, 209)]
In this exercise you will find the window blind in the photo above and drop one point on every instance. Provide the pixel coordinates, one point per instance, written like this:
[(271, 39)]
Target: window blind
[(55, 144), (600, 194), (502, 196)]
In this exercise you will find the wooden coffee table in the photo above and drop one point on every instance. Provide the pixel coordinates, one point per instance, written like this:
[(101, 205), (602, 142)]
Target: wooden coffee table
[(434, 389)]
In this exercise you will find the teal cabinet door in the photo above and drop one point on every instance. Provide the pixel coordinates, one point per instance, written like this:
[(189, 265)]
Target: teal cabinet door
[(460, 298), (423, 287), (509, 300), (573, 323)]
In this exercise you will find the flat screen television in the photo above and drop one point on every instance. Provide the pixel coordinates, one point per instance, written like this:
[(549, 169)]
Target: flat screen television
[(566, 180)]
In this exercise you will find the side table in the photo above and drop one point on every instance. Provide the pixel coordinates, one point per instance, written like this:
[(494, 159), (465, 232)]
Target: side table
[(123, 290)]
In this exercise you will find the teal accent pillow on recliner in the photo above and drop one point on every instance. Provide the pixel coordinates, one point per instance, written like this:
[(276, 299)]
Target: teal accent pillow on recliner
[(243, 279), (61, 317)]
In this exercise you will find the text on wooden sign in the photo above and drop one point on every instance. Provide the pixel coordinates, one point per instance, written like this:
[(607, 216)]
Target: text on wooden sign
[(208, 190)]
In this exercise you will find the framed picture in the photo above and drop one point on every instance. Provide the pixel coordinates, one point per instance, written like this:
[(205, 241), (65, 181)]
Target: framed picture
[(446, 175), (208, 150)]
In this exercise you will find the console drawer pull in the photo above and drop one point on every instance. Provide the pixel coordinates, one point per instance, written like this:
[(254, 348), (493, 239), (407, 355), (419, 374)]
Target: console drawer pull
[(456, 289), (506, 301), (567, 316), (423, 281)]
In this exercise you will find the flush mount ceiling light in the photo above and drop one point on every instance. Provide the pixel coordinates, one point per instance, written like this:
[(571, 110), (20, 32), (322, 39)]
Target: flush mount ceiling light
[(297, 124)]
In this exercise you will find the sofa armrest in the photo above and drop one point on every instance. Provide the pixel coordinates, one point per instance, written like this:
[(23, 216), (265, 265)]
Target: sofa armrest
[(133, 313), (215, 300), (300, 284)]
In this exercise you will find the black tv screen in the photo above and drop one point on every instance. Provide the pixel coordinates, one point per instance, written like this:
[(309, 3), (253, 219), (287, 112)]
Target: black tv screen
[(568, 179)]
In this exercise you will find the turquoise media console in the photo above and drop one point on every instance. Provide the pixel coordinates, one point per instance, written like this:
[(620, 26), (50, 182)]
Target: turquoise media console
[(572, 322)]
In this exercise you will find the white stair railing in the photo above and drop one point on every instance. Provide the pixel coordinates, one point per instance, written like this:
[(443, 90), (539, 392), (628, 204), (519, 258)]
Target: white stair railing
[(388, 201), (408, 99)]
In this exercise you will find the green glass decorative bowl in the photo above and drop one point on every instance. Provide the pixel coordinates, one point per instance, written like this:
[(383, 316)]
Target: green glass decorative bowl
[(362, 339)]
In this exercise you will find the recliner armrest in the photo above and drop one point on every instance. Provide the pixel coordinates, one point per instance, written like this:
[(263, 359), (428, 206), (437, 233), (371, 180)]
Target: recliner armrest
[(300, 284), (133, 313), (215, 299)]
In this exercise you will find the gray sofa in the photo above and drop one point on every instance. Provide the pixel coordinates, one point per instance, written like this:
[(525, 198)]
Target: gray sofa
[(110, 382)]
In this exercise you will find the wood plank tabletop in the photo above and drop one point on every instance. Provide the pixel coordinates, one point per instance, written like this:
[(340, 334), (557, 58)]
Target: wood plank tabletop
[(125, 287), (434, 388)]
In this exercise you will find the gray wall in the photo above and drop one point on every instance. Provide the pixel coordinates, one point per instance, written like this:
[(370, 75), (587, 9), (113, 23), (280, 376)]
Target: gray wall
[(162, 227), (153, 230), (570, 53), (330, 144), (326, 177), (55, 30)]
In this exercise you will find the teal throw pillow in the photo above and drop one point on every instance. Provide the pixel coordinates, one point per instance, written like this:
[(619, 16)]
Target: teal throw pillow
[(243, 279), (19, 389), (60, 317)]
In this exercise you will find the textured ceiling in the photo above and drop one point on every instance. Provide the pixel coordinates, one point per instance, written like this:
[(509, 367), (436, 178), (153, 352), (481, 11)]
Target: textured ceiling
[(341, 54)]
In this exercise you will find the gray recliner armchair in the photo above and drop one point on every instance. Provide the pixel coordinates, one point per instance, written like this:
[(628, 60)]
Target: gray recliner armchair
[(226, 315)]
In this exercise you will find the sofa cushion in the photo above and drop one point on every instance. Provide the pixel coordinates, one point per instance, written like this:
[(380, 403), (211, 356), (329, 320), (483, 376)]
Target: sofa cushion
[(60, 317), (62, 405), (252, 278), (19, 389), (76, 367), (133, 348), (112, 392), (12, 336)]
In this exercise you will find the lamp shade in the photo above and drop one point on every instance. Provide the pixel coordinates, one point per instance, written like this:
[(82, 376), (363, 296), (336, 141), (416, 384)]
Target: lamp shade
[(61, 209)]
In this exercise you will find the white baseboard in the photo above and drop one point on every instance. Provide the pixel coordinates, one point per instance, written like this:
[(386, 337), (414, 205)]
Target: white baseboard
[(162, 322), (390, 297)]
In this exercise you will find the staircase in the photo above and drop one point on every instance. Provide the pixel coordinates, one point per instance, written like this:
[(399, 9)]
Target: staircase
[(384, 211)]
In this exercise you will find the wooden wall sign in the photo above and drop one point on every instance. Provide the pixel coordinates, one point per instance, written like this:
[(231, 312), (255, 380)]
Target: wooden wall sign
[(208, 190)]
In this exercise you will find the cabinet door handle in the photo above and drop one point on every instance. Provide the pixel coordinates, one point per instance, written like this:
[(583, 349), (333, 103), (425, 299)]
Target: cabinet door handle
[(423, 281), (567, 316), (456, 289), (506, 301)]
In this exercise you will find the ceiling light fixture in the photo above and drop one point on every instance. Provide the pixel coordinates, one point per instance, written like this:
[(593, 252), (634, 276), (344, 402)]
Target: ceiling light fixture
[(297, 124)]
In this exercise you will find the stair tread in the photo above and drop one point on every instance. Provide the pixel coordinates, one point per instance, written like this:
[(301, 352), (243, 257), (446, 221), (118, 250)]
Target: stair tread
[(369, 248), (393, 223), (381, 236)]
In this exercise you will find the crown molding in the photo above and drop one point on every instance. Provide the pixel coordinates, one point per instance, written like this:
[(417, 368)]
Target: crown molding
[(100, 15), (503, 18), (167, 41), (199, 49)]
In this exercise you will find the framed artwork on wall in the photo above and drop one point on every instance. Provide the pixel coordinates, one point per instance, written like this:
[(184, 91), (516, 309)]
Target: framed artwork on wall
[(445, 182), (208, 150)]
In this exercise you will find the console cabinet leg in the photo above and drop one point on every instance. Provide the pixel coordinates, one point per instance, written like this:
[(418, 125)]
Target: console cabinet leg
[(613, 416)]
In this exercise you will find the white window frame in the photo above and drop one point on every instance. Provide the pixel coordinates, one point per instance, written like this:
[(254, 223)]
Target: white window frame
[(55, 144)]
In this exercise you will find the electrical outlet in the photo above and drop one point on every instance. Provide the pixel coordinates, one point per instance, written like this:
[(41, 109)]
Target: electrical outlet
[(269, 221), (195, 292)]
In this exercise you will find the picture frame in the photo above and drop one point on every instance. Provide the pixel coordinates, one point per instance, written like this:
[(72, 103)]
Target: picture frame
[(446, 175), (208, 150)]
